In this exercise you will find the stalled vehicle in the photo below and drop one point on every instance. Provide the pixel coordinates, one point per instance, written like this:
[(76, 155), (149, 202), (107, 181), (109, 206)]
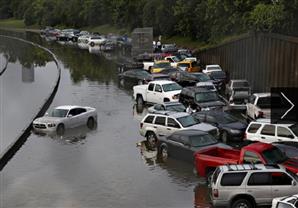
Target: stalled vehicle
[(230, 128), (157, 92), (67, 116), (183, 144)]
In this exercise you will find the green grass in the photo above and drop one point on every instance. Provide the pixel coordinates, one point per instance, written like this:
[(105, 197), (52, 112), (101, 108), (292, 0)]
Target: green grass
[(106, 29), (15, 24)]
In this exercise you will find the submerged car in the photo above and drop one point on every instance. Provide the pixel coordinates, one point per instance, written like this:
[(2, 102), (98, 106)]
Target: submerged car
[(67, 116), (229, 126), (183, 144)]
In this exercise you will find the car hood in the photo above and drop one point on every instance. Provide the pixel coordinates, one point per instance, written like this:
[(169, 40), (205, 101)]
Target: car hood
[(211, 104), (202, 126), (221, 145), (47, 119), (235, 125)]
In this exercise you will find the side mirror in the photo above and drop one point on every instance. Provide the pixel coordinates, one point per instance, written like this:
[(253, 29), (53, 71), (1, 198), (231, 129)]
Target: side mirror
[(69, 115), (294, 183)]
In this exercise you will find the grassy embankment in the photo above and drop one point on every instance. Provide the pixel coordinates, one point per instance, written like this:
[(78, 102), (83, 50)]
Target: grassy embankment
[(13, 24)]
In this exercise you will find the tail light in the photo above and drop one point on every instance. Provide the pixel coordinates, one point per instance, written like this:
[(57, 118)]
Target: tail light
[(245, 136), (141, 125), (215, 193)]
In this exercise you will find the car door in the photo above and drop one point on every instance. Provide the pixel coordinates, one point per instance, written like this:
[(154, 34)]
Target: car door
[(172, 126), (160, 126), (282, 185), (158, 98), (81, 117), (150, 93), (267, 134), (284, 134), (71, 120), (259, 186), (177, 147)]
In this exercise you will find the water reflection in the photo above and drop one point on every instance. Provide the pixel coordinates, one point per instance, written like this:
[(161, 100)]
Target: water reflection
[(28, 74), (72, 136)]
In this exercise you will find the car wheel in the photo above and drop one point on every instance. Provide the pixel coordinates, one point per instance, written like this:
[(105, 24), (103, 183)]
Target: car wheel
[(164, 153), (242, 203), (92, 44), (224, 137), (90, 123), (140, 100), (151, 140), (60, 129)]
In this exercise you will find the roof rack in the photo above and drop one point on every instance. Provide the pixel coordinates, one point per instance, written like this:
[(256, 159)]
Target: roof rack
[(239, 167)]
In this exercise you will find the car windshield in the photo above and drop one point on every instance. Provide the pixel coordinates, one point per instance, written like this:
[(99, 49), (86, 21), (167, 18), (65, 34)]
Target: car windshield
[(202, 140), (176, 108), (206, 97), (59, 113), (208, 87), (241, 84), (171, 87), (175, 59), (187, 121), (274, 156), (294, 128), (226, 118), (218, 74), (162, 65), (202, 77)]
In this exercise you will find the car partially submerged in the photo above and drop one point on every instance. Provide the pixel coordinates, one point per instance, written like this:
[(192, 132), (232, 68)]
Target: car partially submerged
[(67, 116)]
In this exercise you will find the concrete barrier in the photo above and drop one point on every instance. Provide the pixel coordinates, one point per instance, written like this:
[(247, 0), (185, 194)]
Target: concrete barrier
[(11, 150)]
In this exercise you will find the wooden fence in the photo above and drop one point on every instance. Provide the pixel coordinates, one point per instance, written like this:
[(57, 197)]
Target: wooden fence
[(265, 60)]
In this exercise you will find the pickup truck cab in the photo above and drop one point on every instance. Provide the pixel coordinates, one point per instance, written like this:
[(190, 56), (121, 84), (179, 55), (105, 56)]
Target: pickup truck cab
[(157, 92), (258, 153)]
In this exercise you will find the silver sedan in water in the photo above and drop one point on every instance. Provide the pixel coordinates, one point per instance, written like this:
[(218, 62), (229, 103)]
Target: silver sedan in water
[(67, 116)]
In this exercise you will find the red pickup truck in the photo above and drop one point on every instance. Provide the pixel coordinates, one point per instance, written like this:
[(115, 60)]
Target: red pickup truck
[(207, 160)]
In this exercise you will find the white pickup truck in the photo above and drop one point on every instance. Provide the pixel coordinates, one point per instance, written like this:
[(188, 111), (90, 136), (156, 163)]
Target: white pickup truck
[(157, 92)]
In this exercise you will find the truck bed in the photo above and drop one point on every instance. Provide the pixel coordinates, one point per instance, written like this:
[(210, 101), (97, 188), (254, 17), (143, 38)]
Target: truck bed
[(209, 159)]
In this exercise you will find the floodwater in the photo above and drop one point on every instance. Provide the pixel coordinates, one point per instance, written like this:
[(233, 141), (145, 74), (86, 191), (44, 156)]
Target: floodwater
[(103, 167)]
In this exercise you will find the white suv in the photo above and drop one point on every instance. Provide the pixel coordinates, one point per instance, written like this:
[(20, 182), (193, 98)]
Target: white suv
[(249, 185), (268, 133), (155, 125)]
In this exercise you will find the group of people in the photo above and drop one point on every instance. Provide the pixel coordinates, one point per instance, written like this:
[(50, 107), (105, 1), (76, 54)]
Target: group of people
[(157, 46)]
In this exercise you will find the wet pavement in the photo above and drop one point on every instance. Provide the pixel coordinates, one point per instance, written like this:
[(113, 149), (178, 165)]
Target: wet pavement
[(104, 167), (24, 85)]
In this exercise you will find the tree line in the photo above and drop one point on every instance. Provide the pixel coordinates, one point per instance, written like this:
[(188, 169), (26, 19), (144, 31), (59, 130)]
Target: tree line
[(205, 20)]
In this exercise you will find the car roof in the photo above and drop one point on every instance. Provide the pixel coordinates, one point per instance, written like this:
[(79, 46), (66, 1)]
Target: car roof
[(213, 112), (68, 107), (251, 167), (239, 80), (197, 89), (190, 132), (264, 94), (213, 65), (170, 113), (161, 82)]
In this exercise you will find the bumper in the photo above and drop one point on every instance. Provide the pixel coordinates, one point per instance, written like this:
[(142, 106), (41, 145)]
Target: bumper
[(219, 203), (44, 129)]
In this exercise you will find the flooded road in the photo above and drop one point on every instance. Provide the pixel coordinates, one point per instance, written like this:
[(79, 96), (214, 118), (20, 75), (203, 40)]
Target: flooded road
[(103, 167)]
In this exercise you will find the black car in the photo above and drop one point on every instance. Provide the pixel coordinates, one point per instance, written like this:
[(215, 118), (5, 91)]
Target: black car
[(183, 144), (183, 78), (202, 77), (139, 76), (229, 126), (201, 99), (219, 79)]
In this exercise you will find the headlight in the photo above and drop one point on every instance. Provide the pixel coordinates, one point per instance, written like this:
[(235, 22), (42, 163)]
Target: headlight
[(234, 131), (51, 125), (175, 97)]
